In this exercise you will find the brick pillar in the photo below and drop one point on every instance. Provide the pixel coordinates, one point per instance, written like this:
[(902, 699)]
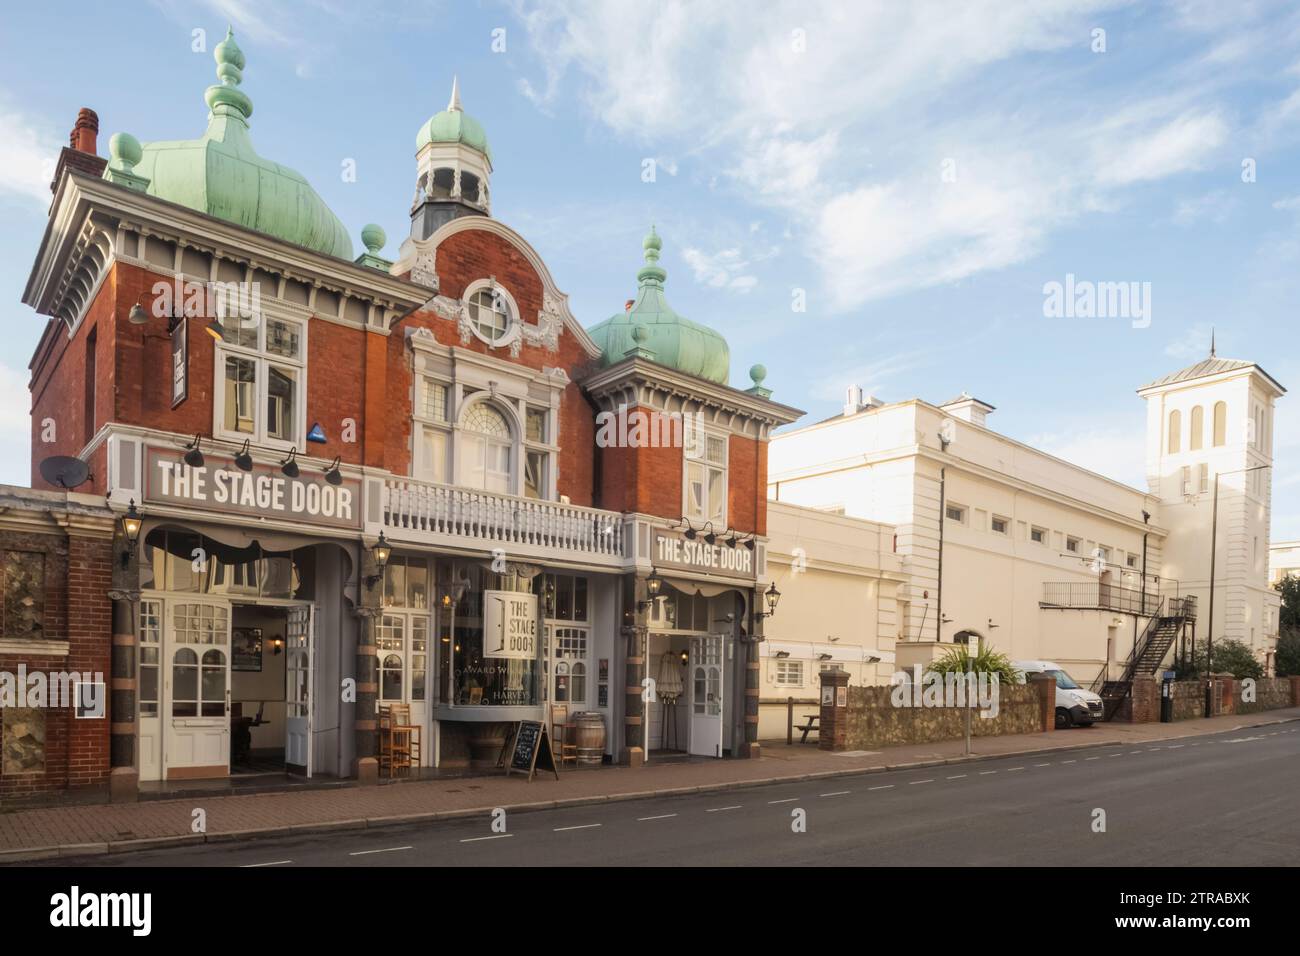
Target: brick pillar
[(1045, 686), (636, 637), (753, 688), (365, 727), (1295, 690), (1145, 699), (834, 732), (123, 682), (1229, 687)]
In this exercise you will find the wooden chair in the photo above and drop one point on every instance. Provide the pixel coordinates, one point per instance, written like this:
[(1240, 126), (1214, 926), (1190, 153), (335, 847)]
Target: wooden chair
[(562, 743), (399, 740)]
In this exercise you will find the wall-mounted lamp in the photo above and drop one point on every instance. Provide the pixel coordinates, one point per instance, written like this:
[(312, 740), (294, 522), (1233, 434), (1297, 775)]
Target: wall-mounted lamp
[(771, 597), (194, 453), (783, 654), (332, 474), (381, 552), (653, 585), (277, 645), (823, 657), (710, 538), (215, 329), (686, 657), (243, 460), (690, 530), (289, 465), (130, 523), (137, 315)]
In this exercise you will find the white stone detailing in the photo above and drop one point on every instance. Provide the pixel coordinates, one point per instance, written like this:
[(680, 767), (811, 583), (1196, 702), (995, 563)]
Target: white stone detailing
[(424, 268)]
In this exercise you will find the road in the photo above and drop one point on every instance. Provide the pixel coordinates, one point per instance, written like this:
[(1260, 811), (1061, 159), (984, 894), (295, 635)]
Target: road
[(1201, 801)]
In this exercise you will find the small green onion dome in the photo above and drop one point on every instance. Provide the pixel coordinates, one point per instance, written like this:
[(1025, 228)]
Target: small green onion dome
[(454, 125), (220, 173), (651, 325)]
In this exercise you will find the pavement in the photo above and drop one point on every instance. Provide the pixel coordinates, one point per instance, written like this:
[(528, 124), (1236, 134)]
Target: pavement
[(73, 832)]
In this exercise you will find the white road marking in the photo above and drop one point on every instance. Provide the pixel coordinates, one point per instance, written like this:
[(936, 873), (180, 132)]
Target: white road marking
[(495, 836), (786, 800), (957, 776), (720, 809), (835, 793), (1091, 758), (1042, 765), (1135, 751), (662, 816), (888, 786), (580, 826), (915, 782), (1069, 761), (1152, 750), (1176, 746), (985, 773), (248, 866), (391, 849), (1014, 769)]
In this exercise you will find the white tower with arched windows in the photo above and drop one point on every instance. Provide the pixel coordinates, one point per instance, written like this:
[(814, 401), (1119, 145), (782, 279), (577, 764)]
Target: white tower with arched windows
[(1214, 421), (453, 168)]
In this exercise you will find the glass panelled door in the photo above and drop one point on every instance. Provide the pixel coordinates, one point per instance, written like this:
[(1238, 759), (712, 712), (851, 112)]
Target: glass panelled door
[(300, 640), (150, 688), (196, 665), (706, 695), (565, 656), (402, 642)]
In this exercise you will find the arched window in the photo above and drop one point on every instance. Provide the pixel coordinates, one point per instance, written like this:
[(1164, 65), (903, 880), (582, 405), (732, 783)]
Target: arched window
[(1220, 424), (390, 677), (1197, 438), (487, 449), (1175, 429)]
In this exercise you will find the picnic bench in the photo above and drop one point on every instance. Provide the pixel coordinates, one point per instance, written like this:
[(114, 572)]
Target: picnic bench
[(810, 723)]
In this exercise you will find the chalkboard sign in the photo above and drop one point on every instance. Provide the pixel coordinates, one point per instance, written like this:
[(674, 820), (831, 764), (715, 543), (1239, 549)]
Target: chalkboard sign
[(531, 750)]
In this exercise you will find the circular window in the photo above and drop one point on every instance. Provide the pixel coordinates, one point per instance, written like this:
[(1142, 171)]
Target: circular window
[(490, 314)]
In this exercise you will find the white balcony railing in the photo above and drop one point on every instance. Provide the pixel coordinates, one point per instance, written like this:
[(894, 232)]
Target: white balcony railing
[(415, 510)]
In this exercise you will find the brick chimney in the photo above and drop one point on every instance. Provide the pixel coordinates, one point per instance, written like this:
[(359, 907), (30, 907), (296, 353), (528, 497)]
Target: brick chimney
[(79, 154), (85, 132)]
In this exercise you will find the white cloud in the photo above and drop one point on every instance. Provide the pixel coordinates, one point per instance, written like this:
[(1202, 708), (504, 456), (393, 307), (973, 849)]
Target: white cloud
[(1117, 451), (29, 153), (1214, 206), (728, 268), (1289, 204), (1178, 146), (1193, 344), (15, 425)]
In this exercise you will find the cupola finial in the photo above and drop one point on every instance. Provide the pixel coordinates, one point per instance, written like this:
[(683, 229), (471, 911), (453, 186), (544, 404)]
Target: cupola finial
[(1212, 351), (453, 104), (652, 271), (226, 98)]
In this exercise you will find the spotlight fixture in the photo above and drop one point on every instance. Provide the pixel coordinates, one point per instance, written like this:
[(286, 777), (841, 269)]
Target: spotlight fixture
[(749, 542), (137, 315), (130, 523), (332, 474), (732, 540), (243, 460), (215, 329), (381, 552), (823, 657), (289, 466), (690, 532), (783, 654), (194, 454), (710, 538)]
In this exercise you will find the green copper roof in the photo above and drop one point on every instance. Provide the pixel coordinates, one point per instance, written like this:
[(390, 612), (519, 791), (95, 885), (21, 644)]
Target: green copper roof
[(656, 332), (221, 174), (454, 125)]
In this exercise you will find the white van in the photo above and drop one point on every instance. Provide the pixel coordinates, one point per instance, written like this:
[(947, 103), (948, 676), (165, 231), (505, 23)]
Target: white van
[(1074, 705)]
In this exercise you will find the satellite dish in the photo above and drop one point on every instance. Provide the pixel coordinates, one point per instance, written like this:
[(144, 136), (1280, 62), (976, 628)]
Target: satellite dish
[(64, 471)]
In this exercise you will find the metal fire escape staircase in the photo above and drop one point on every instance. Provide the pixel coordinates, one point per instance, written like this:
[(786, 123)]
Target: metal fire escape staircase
[(1149, 651)]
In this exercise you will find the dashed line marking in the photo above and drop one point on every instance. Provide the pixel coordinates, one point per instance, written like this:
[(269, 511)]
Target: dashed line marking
[(721, 809), (915, 782), (958, 776), (1135, 751), (985, 773), (1091, 758), (1042, 765), (835, 793), (888, 786), (580, 826), (662, 816), (249, 866), (1069, 761), (391, 849), (1152, 750), (1176, 746), (1014, 769), (495, 836), (786, 800)]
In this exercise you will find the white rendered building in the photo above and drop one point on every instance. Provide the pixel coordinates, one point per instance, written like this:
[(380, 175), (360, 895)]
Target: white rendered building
[(1043, 558)]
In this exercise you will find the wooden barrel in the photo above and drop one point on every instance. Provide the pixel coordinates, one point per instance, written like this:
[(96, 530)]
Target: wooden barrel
[(589, 737)]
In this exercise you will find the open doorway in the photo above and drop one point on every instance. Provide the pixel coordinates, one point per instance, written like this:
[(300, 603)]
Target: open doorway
[(259, 682)]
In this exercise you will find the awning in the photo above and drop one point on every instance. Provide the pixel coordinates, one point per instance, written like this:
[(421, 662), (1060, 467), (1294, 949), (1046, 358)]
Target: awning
[(241, 544), (703, 588)]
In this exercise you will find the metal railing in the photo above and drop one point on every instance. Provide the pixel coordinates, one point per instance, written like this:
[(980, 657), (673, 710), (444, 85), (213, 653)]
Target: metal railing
[(423, 508), (1096, 594)]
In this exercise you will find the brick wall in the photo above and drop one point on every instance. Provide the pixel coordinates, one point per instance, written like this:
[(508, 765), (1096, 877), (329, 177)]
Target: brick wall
[(78, 574)]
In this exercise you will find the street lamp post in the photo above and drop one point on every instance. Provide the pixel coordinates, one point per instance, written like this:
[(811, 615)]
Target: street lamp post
[(1214, 549)]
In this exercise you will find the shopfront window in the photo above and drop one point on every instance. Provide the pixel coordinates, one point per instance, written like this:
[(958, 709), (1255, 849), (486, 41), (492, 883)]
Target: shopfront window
[(483, 678), (402, 631)]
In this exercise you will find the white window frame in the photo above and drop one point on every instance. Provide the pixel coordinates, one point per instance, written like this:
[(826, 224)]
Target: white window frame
[(424, 422), (701, 461), (512, 331), (786, 670), (1039, 530), (962, 509), (1203, 478), (1006, 525), (514, 482), (1072, 540), (263, 361)]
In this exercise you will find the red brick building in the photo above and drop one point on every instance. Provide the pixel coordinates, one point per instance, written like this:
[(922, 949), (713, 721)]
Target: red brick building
[(575, 517)]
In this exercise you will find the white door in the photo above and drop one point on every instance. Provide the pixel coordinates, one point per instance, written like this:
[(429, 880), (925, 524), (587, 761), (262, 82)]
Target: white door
[(706, 695), (150, 682), (196, 715), (300, 638)]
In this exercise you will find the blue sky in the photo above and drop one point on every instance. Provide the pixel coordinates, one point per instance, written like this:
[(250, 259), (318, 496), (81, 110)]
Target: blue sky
[(803, 148)]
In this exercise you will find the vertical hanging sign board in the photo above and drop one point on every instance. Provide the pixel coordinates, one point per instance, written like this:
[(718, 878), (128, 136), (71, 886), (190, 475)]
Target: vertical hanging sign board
[(180, 343), (532, 750)]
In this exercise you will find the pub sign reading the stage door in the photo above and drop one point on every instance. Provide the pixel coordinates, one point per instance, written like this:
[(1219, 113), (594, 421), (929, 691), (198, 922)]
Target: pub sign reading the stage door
[(264, 492), (510, 625), (671, 549)]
